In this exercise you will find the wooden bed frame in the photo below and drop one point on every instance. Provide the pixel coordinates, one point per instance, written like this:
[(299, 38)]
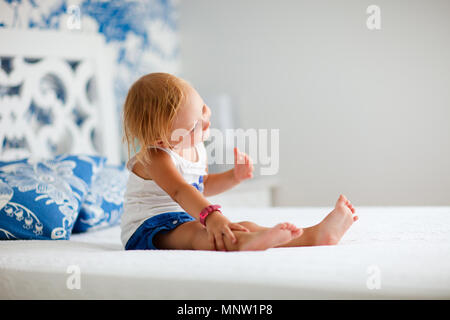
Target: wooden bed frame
[(56, 95)]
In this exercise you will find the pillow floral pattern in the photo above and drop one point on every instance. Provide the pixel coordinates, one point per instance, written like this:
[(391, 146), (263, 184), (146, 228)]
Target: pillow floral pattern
[(42, 199), (103, 205)]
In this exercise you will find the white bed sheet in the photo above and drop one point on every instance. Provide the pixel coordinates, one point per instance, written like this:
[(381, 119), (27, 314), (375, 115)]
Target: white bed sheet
[(406, 250)]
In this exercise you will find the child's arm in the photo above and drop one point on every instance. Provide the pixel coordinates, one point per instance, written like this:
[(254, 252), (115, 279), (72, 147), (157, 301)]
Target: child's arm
[(216, 183), (166, 175)]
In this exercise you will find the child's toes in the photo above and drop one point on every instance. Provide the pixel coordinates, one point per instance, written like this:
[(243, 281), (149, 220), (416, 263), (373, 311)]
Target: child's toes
[(341, 200), (349, 204), (290, 226), (282, 225), (297, 233), (355, 218)]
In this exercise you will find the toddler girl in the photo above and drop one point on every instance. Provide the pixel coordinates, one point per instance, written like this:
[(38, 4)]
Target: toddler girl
[(165, 201)]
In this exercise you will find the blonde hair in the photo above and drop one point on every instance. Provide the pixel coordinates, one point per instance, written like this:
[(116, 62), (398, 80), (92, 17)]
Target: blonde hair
[(149, 110)]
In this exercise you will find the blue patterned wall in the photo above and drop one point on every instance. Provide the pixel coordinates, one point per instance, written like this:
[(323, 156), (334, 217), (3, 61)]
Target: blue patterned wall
[(142, 33)]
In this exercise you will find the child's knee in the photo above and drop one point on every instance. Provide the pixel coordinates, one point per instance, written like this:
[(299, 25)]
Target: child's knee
[(200, 241)]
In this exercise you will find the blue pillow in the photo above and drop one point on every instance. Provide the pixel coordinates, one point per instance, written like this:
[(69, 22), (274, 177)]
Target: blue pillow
[(103, 205), (41, 199)]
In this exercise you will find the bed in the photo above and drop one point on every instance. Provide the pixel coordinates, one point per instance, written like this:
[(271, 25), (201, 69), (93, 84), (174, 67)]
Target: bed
[(391, 252)]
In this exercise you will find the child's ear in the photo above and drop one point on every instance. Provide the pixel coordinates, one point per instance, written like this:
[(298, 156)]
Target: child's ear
[(159, 143)]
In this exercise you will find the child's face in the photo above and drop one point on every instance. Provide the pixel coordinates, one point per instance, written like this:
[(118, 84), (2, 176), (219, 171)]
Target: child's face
[(191, 124)]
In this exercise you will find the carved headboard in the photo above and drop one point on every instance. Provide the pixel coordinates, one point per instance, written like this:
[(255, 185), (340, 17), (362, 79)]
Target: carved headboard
[(56, 95)]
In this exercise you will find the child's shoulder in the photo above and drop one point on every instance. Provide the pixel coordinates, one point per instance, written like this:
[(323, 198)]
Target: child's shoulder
[(155, 157), (141, 170), (158, 154)]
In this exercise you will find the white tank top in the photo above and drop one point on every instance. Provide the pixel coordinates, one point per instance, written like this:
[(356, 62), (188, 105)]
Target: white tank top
[(144, 199)]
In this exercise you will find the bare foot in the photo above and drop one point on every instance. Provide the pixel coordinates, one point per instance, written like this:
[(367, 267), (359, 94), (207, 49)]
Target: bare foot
[(336, 223), (262, 240)]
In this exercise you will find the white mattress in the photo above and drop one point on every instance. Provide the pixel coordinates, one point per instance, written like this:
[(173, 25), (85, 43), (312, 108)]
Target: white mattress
[(406, 248)]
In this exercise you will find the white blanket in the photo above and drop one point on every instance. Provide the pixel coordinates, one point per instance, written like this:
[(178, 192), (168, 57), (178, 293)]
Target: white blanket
[(391, 252)]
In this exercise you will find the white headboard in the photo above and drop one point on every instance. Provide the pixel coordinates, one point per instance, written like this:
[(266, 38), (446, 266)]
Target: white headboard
[(56, 95)]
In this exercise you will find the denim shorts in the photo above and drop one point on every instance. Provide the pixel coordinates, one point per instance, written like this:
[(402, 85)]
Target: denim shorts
[(142, 238)]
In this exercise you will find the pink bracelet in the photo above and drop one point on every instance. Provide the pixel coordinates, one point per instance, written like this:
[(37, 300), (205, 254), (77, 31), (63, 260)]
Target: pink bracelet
[(207, 210)]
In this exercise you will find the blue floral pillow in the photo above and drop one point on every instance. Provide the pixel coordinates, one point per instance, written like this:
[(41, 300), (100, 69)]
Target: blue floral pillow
[(42, 199), (103, 205)]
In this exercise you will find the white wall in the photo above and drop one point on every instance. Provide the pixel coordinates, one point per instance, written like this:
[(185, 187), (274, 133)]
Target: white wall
[(363, 113)]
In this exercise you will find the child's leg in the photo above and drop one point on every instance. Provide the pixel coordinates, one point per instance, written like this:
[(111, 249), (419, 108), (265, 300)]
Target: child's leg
[(308, 238), (327, 232), (193, 236)]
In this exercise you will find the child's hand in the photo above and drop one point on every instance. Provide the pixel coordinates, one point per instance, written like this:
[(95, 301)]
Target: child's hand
[(218, 226), (243, 166)]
